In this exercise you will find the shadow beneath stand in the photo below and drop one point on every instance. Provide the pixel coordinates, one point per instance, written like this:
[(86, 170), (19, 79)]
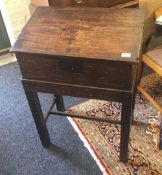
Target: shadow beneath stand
[(57, 151), (74, 159)]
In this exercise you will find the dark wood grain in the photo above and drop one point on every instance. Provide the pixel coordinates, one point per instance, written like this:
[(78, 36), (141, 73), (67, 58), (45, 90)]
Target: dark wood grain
[(83, 32), (87, 3), (77, 52), (105, 73), (75, 90)]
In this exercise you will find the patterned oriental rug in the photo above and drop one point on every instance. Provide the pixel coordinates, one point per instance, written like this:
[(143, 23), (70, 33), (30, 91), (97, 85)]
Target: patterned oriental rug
[(103, 139)]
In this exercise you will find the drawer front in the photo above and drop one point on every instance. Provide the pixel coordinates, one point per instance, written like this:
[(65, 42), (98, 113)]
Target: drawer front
[(87, 3), (96, 73)]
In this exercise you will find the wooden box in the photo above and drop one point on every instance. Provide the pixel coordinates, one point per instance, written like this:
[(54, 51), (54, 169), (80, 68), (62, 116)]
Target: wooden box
[(98, 48)]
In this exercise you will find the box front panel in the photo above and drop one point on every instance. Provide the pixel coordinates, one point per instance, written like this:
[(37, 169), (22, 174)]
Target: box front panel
[(84, 72)]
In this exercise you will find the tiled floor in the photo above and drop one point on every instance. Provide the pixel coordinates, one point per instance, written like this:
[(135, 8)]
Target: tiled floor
[(7, 58)]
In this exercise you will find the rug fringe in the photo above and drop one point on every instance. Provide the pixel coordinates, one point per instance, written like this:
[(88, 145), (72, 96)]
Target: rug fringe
[(86, 144)]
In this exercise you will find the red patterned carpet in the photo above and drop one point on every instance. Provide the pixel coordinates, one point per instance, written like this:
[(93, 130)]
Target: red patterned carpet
[(144, 155)]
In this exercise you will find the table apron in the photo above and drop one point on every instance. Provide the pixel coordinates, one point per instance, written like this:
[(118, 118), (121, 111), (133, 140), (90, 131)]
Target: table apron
[(76, 90)]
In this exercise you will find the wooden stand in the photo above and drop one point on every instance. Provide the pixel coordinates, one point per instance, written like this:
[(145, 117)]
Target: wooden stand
[(85, 52)]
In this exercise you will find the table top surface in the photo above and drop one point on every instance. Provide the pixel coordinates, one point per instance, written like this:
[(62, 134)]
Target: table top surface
[(98, 33)]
